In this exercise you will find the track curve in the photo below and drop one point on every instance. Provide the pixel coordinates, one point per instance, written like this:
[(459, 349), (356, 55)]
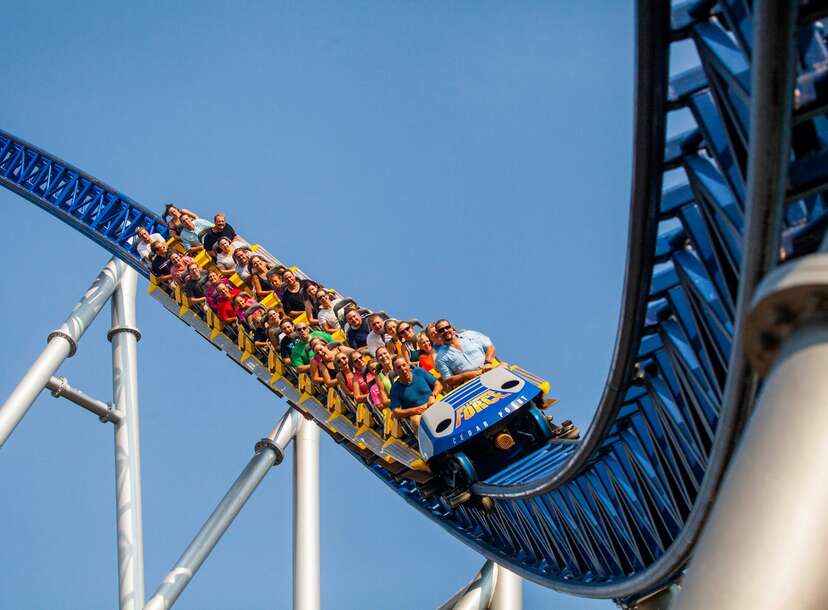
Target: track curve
[(616, 515)]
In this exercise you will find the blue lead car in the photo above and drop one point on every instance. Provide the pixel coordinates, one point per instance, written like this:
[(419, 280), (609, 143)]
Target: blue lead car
[(479, 428)]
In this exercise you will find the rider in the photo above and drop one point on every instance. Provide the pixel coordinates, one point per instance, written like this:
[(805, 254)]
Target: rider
[(462, 356)]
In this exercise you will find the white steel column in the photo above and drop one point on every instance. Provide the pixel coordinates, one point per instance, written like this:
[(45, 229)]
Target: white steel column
[(508, 591), (124, 336), (765, 544), (306, 517), (62, 344), (492, 588), (269, 452)]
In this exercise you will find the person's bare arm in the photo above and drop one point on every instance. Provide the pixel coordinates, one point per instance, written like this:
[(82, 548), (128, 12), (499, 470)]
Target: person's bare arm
[(309, 313), (461, 378), (490, 356), (418, 410)]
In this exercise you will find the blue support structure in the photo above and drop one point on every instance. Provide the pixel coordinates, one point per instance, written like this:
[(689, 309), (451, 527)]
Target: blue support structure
[(616, 514)]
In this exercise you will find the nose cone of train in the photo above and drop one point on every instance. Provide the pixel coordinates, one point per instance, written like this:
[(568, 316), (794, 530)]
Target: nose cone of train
[(502, 379), (436, 422)]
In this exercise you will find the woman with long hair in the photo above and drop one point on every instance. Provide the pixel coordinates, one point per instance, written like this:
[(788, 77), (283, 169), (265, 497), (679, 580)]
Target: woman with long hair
[(259, 279)]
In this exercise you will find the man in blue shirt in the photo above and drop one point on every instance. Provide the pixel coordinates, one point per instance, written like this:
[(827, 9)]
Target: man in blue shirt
[(462, 356), (190, 230), (414, 391)]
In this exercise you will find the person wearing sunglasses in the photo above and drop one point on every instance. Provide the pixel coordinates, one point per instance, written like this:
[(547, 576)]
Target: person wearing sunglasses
[(326, 317), (301, 352), (406, 345), (463, 355)]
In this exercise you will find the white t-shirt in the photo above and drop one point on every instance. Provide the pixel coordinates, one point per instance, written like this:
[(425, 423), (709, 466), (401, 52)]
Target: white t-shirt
[(328, 317), (242, 271), (225, 262), (374, 341), (145, 249)]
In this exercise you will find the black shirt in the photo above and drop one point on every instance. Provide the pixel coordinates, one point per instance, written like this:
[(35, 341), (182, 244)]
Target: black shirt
[(194, 289), (357, 337), (285, 346), (265, 283), (161, 265), (211, 237), (259, 334), (293, 301)]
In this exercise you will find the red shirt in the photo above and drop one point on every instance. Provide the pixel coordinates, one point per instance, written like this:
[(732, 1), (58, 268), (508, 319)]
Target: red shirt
[(223, 306), (426, 362)]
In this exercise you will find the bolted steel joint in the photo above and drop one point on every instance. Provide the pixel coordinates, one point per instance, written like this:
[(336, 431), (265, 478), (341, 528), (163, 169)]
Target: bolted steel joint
[(73, 345), (62, 383), (790, 296), (123, 329), (266, 444)]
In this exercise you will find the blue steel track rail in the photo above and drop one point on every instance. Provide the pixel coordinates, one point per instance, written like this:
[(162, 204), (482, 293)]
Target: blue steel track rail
[(616, 515), (106, 216)]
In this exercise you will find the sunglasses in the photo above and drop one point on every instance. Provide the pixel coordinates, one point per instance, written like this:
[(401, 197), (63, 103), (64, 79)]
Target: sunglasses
[(402, 329), (301, 328), (443, 329)]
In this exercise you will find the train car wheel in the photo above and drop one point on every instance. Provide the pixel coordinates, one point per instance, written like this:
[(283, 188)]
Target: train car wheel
[(543, 425)]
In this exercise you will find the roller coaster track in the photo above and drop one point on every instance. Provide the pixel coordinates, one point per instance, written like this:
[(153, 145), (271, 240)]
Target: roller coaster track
[(617, 514)]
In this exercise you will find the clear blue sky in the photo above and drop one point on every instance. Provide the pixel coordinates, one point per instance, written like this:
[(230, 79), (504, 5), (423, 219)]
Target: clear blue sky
[(467, 160)]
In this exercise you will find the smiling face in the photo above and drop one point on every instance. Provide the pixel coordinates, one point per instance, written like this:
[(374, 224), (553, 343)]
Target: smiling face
[(424, 343), (377, 324), (223, 290), (175, 258), (142, 234), (220, 223), (241, 257), (194, 271), (159, 248), (213, 276), (188, 221), (258, 265), (304, 331), (224, 245), (290, 279), (383, 356), (391, 327), (353, 319), (325, 300), (287, 326), (444, 330), (405, 332)]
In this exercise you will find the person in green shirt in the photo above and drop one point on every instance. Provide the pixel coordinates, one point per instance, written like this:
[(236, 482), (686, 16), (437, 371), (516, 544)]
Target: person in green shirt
[(300, 353)]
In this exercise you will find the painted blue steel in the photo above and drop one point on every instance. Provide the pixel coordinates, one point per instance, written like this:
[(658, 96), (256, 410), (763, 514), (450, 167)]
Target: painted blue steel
[(86, 204), (593, 518)]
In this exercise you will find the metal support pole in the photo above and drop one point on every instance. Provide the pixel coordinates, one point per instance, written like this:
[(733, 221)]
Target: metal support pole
[(660, 600), (269, 452), (60, 387), (764, 546), (124, 337), (63, 343), (492, 588), (508, 591), (306, 517)]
